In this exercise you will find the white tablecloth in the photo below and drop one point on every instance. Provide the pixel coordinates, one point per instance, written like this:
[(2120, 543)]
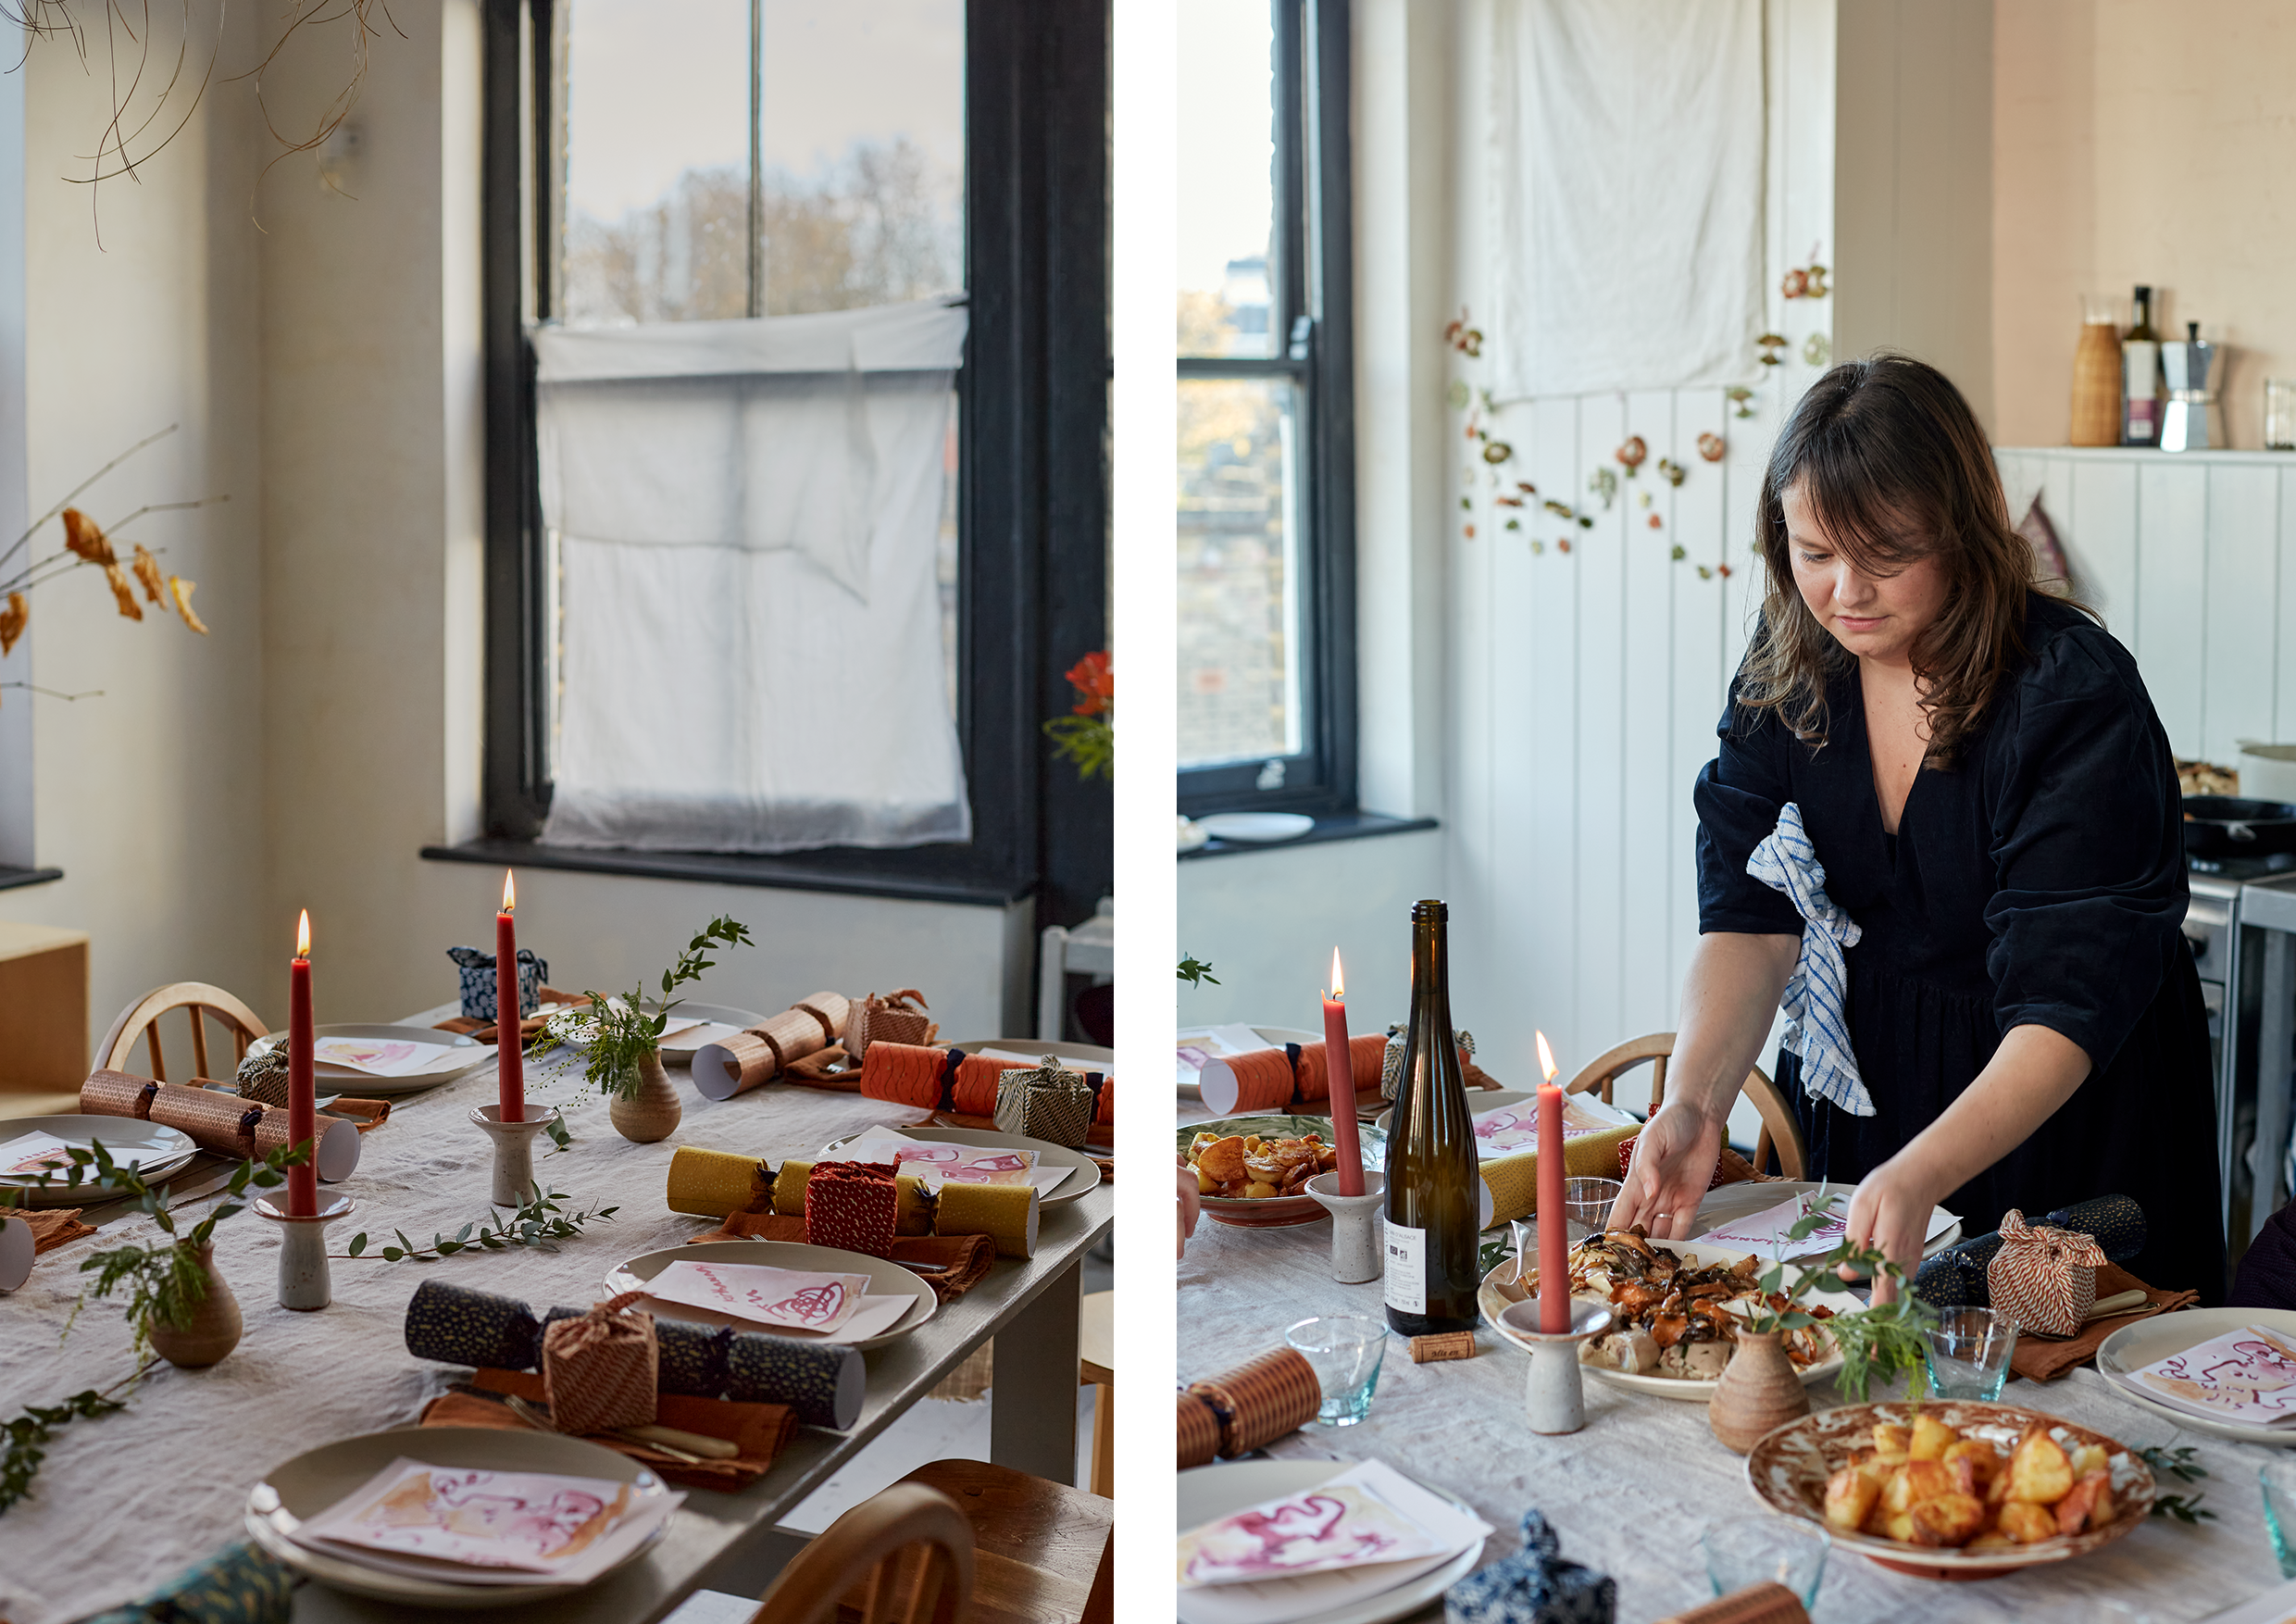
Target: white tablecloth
[(1631, 1493)]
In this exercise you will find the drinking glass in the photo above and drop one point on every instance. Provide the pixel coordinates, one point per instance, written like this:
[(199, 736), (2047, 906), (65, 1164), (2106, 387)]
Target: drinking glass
[(1755, 1550), (1587, 1204), (1969, 1353), (2279, 414), (2279, 1479), (1345, 1350)]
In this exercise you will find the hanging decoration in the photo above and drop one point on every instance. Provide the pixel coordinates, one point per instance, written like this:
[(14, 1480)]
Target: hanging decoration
[(1604, 483), (1712, 446), (1771, 343), (1671, 470), (1631, 456), (1817, 349), (1738, 395)]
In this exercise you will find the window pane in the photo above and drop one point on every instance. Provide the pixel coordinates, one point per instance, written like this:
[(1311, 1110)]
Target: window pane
[(861, 132), (1238, 571), (657, 161), (1226, 175)]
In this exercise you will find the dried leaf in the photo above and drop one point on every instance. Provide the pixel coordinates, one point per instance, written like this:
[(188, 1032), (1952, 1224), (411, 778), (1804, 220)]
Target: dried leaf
[(83, 537), (123, 592), (183, 590), (147, 573), (12, 622)]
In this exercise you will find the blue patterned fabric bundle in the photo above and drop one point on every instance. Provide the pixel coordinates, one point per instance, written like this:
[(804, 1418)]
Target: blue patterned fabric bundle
[(1533, 1586), (478, 982), (237, 1585), (1956, 1277)]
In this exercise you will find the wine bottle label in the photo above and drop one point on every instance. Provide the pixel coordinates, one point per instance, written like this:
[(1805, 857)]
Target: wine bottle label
[(1406, 1270)]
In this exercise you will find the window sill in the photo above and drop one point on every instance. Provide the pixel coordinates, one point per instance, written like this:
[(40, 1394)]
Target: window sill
[(12, 877), (900, 874), (1329, 826)]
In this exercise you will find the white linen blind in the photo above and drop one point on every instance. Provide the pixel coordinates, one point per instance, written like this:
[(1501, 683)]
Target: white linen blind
[(748, 515)]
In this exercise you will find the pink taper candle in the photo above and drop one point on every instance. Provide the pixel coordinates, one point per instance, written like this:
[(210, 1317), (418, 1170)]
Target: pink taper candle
[(509, 1063), (1340, 1070), (1554, 1242), (302, 1099)]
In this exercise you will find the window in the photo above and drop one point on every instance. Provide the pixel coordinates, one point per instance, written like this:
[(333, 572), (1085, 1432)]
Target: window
[(1265, 521), (650, 164)]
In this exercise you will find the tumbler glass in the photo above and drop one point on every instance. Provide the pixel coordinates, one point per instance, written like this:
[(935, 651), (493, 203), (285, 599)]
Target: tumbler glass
[(1754, 1550), (1345, 1350), (2279, 1478), (1587, 1204), (1969, 1353)]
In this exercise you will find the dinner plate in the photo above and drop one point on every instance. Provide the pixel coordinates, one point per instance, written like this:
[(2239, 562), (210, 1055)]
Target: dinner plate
[(1256, 827), (886, 1279), (679, 1051), (153, 1150), (1275, 1212), (1207, 1492), (365, 1084), (302, 1488), (1499, 1290), (1083, 1172), (2148, 1341), (1729, 1203), (1788, 1468), (1274, 1037)]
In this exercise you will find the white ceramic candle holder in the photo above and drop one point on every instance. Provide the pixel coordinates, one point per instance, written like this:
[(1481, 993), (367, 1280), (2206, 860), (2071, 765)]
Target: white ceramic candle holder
[(304, 1280), (17, 1248), (514, 1149), (1355, 1250), (1554, 1393)]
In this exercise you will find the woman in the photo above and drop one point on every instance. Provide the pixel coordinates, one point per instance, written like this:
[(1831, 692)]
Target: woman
[(1963, 783)]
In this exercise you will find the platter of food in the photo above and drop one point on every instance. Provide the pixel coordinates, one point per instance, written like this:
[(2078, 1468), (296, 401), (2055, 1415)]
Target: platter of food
[(1676, 1308), (1953, 1489), (1249, 1169), (2133, 1348)]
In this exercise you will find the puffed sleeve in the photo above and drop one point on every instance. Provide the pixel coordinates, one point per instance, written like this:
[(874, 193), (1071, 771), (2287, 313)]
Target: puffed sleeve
[(2088, 848), (1738, 798)]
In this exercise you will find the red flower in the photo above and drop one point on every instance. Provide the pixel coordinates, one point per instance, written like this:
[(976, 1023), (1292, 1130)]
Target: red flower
[(1094, 677)]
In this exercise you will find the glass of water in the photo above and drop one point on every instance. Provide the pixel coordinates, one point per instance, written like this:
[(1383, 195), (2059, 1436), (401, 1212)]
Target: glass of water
[(1345, 1350), (2279, 1479), (1755, 1550), (1587, 1204), (1969, 1353)]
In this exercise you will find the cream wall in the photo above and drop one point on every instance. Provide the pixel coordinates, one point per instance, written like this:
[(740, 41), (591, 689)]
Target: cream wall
[(2136, 141)]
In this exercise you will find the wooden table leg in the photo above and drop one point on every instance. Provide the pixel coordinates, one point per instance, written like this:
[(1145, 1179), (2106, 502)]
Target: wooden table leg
[(1104, 1438), (1032, 1402)]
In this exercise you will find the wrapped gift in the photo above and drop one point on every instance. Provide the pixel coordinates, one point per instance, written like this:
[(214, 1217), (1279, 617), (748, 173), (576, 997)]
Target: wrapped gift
[(1044, 1102), (1533, 1586), (601, 1369), (853, 1205), (478, 982), (2044, 1278), (897, 1018), (1955, 1278)]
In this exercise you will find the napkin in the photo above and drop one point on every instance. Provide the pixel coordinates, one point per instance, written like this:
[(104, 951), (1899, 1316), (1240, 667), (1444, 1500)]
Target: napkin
[(1769, 1602), (760, 1430), (53, 1227), (2037, 1360), (965, 1257), (1258, 1402), (1533, 1586)]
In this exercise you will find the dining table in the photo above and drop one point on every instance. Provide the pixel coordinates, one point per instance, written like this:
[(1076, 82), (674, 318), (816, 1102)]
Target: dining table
[(1632, 1493), (124, 1502)]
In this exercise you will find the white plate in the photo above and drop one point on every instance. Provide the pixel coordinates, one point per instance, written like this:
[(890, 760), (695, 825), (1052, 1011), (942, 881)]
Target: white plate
[(153, 1150), (2148, 1341), (1210, 1491), (1256, 827), (1083, 1172), (366, 1085), (679, 1051), (886, 1279), (1733, 1202), (1190, 834), (317, 1478)]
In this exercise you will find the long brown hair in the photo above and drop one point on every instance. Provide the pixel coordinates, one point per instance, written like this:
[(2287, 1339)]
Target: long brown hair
[(1895, 468)]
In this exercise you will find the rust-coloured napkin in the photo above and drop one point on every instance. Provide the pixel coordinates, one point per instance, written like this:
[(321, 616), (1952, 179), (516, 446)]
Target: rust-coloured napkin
[(1099, 1138), (1769, 1603), (368, 1114), (760, 1430), (56, 1226), (484, 1030), (965, 1257), (2039, 1359)]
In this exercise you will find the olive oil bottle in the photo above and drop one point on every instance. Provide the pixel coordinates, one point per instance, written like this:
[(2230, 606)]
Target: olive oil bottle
[(1434, 1190)]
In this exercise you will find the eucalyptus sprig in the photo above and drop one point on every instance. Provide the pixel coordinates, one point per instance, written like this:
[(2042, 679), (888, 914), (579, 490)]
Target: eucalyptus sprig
[(1878, 1340), (2178, 1464), (541, 1222), (24, 1437), (618, 1032), (1195, 972)]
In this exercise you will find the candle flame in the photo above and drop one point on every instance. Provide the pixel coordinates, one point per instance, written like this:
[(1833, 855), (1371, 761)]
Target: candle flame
[(303, 935), (510, 893), (1339, 988), (1546, 1057)]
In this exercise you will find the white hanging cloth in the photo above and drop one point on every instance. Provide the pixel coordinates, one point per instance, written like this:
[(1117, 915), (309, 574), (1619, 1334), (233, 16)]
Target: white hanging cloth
[(748, 514)]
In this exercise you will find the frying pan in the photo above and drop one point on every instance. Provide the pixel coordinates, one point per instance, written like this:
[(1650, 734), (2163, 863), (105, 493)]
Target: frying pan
[(2226, 826)]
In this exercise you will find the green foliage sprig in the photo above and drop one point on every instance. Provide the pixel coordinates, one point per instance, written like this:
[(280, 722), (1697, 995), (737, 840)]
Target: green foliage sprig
[(1195, 972), (541, 1222), (618, 1032), (24, 1437), (1879, 1339), (2178, 1464)]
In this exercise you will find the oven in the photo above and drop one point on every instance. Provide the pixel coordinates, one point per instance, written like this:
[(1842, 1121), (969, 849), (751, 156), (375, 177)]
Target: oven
[(2241, 926)]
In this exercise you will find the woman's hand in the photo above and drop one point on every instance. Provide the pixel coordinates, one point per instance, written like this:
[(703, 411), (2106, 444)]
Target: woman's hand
[(1890, 1211), (1674, 1161), (1191, 1203)]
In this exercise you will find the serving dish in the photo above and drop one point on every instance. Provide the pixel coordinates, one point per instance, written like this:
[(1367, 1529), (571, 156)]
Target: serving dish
[(1083, 1172), (1788, 1468), (153, 1150), (886, 1279), (348, 1080), (317, 1478), (1276, 1211), (2148, 1341)]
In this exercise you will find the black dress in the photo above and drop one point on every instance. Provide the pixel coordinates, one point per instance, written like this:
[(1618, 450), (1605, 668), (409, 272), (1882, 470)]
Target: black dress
[(2040, 880)]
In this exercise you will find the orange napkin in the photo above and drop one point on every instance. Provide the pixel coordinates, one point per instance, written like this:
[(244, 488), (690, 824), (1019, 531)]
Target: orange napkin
[(966, 1257), (760, 1430), (484, 1030), (1769, 1603), (56, 1226), (2045, 1359)]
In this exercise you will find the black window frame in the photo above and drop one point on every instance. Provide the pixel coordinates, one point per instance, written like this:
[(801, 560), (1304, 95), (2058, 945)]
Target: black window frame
[(1032, 513), (1311, 298)]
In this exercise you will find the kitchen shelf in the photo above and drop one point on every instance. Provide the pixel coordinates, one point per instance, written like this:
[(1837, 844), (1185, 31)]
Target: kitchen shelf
[(2142, 454)]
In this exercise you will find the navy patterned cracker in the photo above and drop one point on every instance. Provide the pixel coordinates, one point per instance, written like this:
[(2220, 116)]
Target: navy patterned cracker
[(822, 1381), (456, 1325)]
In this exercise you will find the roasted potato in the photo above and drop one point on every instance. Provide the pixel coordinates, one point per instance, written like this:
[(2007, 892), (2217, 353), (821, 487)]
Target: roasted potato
[(2089, 1457), (1992, 1539), (1915, 1481), (1889, 1439), (1899, 1528), (1931, 1438), (1850, 1497), (1223, 1158), (2088, 1505), (1983, 1458), (1256, 1191), (2026, 1523), (1948, 1519), (2039, 1473)]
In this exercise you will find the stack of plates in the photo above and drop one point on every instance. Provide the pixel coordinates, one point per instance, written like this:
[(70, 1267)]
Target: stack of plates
[(462, 1053), (154, 1151)]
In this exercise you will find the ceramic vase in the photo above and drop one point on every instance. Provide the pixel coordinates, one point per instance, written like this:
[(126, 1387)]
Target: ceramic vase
[(213, 1327), (1758, 1390), (651, 1113)]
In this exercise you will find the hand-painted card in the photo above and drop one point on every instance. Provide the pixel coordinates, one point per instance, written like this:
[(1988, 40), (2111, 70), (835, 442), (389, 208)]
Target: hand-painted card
[(937, 1162), (384, 1057), (1345, 1523), (2247, 1375), (28, 1155), (1765, 1233), (773, 1296), (535, 1522), (1505, 1129)]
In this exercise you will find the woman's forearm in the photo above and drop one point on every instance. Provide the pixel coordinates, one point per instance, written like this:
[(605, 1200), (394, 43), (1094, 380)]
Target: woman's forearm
[(2033, 1072), (1728, 998)]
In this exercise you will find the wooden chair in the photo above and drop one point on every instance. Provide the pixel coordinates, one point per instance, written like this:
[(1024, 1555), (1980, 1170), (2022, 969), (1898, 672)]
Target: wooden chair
[(903, 1557), (1040, 1550), (1781, 1134), (203, 1003), (1096, 1368)]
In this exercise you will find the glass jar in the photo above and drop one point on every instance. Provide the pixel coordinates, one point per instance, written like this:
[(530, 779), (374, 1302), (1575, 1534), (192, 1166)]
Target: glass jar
[(2281, 414)]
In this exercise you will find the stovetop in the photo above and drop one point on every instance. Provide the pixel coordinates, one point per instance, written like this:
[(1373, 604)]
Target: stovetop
[(2221, 878)]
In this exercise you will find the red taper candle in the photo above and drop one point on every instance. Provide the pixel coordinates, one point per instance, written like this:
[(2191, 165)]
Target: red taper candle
[(302, 1099), (1339, 1071), (1553, 1240), (510, 1062)]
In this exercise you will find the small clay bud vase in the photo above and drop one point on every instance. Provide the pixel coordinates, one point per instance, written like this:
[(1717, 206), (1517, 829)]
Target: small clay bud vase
[(1758, 1390), (652, 1111), (214, 1329)]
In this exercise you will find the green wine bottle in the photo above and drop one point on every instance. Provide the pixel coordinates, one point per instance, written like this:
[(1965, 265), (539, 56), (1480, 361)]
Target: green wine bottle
[(1434, 1190)]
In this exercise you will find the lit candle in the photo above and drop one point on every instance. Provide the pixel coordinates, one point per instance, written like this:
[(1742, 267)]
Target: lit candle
[(302, 1102), (509, 1063), (1554, 1242), (1339, 1068)]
